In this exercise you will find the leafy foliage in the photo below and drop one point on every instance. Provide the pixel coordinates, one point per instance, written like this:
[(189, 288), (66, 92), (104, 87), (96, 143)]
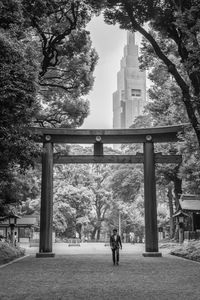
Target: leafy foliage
[(166, 110), (17, 107), (126, 182), (47, 63), (177, 22), (21, 190), (85, 192)]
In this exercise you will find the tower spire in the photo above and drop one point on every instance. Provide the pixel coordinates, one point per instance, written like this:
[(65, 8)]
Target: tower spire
[(130, 37), (130, 97)]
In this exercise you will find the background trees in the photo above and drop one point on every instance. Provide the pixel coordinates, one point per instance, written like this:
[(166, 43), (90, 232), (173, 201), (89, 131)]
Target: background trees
[(47, 63), (66, 58), (60, 48), (102, 200), (17, 107), (84, 191), (165, 108)]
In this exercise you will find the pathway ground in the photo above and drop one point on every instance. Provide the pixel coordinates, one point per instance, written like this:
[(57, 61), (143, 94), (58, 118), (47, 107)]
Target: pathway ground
[(86, 272)]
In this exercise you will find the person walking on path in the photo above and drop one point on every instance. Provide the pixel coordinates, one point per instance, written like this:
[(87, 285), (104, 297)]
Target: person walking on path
[(115, 244)]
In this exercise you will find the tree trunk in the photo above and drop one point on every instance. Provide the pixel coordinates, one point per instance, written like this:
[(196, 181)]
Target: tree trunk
[(177, 190), (98, 234), (171, 211), (78, 229), (94, 233)]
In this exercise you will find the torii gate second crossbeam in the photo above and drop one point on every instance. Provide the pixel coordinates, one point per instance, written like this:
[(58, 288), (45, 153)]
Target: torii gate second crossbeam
[(147, 136)]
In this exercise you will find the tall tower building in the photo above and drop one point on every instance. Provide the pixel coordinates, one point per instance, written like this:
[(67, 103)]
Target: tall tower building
[(130, 97)]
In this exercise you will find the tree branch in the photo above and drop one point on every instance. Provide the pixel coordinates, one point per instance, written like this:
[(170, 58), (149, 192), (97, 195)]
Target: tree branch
[(171, 68)]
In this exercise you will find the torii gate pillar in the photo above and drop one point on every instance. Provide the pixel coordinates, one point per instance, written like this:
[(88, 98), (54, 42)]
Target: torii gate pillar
[(46, 210), (150, 206)]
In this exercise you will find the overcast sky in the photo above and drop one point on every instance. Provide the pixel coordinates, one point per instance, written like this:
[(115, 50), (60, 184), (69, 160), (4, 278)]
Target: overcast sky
[(109, 42)]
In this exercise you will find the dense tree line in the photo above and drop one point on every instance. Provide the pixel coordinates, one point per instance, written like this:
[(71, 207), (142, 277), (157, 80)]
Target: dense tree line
[(178, 23), (46, 70), (166, 108), (171, 53), (47, 63)]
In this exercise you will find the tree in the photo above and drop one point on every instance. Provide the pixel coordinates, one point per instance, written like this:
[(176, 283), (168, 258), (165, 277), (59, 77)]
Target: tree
[(21, 191), (63, 86), (47, 63), (17, 107), (55, 31), (54, 21), (189, 170), (101, 200), (164, 109), (126, 182), (177, 21), (70, 204), (94, 181), (67, 59)]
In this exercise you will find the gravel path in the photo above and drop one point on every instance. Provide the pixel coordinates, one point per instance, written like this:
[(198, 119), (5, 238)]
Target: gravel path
[(92, 276)]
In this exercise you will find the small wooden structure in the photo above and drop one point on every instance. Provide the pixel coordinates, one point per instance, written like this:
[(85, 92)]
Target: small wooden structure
[(190, 204), (98, 137), (24, 227)]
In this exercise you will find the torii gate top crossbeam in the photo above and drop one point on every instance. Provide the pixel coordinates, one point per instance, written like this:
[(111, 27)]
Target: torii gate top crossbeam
[(108, 136)]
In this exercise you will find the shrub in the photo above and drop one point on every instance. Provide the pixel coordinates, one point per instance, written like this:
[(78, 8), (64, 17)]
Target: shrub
[(190, 250), (9, 252)]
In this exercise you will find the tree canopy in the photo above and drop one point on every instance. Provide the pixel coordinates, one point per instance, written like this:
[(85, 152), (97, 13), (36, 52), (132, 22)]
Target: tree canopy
[(47, 63), (177, 21)]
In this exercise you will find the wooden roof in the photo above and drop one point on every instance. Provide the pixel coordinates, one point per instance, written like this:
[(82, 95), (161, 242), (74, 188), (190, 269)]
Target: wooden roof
[(190, 202), (24, 220)]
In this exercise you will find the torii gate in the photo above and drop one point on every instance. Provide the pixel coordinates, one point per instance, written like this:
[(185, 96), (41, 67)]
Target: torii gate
[(98, 138)]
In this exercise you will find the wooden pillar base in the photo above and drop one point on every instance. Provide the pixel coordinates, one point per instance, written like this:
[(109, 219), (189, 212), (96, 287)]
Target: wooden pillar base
[(44, 254), (152, 254)]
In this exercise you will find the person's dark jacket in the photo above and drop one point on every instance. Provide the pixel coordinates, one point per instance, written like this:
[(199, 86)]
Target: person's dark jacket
[(115, 244)]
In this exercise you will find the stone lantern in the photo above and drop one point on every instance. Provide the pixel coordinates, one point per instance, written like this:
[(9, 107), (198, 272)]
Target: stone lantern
[(12, 219), (180, 218)]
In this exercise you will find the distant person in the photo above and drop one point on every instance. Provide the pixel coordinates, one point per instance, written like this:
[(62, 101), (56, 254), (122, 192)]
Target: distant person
[(29, 237), (132, 237), (9, 237), (15, 238), (115, 244)]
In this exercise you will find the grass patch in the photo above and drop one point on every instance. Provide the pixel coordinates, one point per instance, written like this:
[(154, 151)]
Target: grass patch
[(189, 251), (9, 252)]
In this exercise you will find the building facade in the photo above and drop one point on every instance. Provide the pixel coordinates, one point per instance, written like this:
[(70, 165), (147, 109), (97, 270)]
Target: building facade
[(130, 97), (24, 228)]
